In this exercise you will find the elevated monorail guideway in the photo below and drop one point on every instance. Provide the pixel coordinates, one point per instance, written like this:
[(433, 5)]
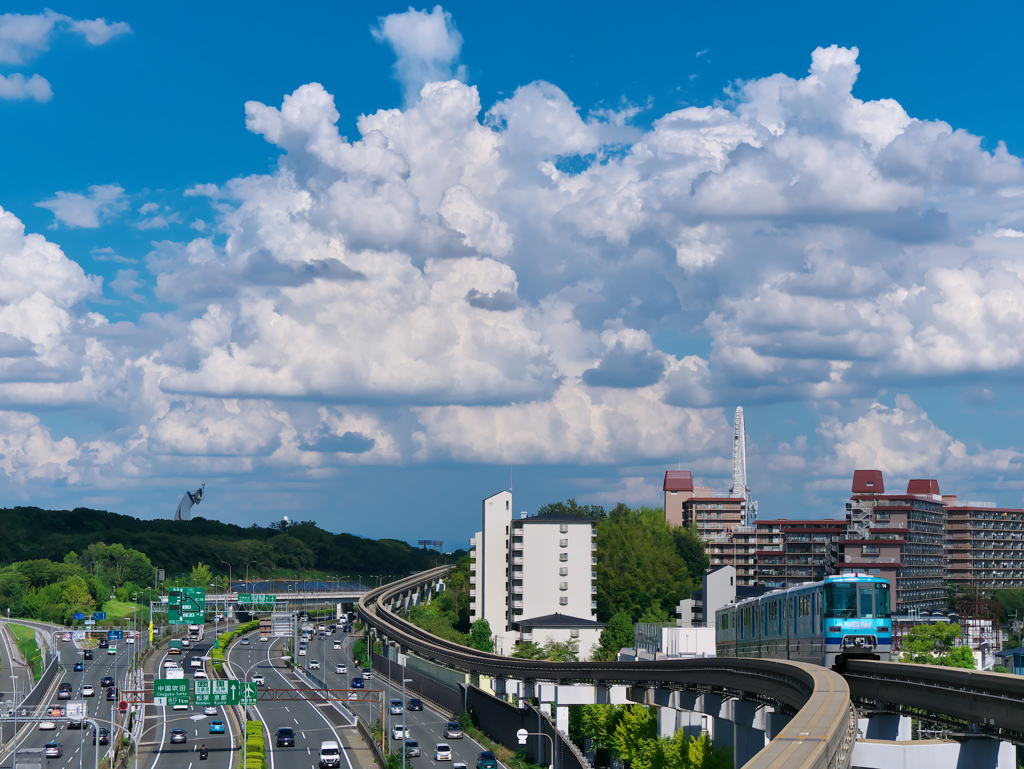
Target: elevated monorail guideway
[(820, 734)]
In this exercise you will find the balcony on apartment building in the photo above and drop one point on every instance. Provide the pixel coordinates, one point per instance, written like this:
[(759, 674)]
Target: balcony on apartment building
[(517, 545), (517, 589)]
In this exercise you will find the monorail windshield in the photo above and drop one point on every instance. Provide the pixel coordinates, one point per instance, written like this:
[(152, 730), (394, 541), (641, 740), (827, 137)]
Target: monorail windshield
[(845, 600)]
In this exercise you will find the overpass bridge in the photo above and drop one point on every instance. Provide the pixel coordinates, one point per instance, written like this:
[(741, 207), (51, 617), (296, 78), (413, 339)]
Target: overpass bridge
[(822, 703)]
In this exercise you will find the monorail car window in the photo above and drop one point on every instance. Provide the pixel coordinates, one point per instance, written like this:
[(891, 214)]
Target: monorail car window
[(867, 604), (841, 600), (882, 600)]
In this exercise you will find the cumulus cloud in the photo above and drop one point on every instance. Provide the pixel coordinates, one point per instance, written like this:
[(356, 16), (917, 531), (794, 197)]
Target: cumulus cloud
[(494, 284), (103, 202), (17, 86), (426, 44), (22, 37)]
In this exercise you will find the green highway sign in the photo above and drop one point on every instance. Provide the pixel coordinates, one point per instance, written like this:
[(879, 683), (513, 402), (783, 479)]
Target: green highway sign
[(186, 605), (249, 692), (170, 691), (230, 692), (258, 598)]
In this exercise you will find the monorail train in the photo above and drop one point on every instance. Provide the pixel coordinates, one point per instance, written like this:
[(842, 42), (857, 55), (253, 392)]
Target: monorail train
[(842, 617)]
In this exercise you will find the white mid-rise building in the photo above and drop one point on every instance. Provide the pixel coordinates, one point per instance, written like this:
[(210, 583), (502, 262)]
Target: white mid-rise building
[(533, 578)]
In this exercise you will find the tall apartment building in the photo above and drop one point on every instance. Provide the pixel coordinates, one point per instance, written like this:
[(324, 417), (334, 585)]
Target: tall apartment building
[(794, 552), (984, 544), (719, 521), (900, 537), (533, 578)]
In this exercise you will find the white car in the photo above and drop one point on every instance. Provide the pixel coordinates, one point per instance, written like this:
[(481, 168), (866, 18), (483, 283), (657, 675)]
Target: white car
[(337, 645), (184, 642), (314, 665), (199, 674), (111, 650), (88, 690), (258, 679), (195, 662), (47, 726), (209, 710), (400, 732), (302, 652), (342, 669), (264, 638), (244, 642), (170, 664), (129, 640), (353, 695), (442, 752)]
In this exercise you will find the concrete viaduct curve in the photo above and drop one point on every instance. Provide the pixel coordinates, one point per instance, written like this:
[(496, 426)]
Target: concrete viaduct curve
[(819, 736)]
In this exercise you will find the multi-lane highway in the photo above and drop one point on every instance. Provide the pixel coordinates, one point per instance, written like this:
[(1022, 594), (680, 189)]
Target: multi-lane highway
[(425, 726), (77, 747), (313, 722), (158, 752)]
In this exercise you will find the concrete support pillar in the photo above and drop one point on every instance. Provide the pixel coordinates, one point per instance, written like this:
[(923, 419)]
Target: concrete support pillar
[(562, 719), (775, 722), (746, 743), (722, 733), (885, 726)]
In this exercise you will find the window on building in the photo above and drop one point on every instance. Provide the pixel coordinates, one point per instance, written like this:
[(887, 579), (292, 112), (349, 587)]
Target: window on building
[(563, 585), (563, 543), (564, 528), (563, 556), (563, 572), (563, 601), (574, 633)]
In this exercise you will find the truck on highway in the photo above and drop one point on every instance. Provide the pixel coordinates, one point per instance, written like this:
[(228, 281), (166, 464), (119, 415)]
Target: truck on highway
[(266, 628)]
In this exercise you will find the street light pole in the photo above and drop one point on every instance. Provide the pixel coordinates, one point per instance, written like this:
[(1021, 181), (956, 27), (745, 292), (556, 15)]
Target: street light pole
[(229, 575)]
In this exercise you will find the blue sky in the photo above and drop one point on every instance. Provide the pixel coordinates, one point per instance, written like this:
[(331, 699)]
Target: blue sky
[(607, 231)]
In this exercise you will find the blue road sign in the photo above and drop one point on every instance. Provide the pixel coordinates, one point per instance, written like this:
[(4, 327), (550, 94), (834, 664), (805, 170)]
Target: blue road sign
[(115, 635), (79, 615), (98, 615)]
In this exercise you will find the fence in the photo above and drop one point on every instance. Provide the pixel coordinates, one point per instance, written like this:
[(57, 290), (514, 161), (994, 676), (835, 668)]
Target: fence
[(423, 685)]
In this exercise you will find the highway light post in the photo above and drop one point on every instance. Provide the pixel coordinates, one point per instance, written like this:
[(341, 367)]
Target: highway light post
[(522, 734)]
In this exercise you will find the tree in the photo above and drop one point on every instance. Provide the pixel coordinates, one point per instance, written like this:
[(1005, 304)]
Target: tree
[(569, 507), (933, 644), (528, 650), (480, 637), (618, 635), (558, 651), (635, 736), (201, 575), (638, 565)]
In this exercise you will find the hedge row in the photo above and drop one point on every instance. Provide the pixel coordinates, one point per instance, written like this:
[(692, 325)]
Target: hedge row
[(255, 745), (217, 655)]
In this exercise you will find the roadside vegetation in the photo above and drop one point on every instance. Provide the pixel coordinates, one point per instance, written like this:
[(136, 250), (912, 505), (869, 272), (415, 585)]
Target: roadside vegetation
[(935, 645), (224, 639), (25, 639)]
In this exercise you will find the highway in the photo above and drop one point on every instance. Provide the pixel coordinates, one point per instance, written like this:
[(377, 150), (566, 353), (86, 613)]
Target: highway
[(77, 744), (425, 726), (23, 677), (313, 722), (157, 750)]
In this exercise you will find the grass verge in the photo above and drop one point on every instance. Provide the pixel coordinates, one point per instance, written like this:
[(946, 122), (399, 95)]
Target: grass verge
[(25, 638)]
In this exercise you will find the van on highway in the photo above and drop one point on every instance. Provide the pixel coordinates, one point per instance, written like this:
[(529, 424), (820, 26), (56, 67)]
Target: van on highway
[(330, 755)]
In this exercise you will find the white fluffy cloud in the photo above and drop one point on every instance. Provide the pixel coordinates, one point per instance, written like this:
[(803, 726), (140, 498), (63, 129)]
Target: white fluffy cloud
[(74, 209), (488, 284), (23, 37)]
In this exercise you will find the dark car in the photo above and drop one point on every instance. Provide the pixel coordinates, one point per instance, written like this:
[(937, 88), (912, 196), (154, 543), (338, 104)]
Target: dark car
[(107, 681), (412, 748), (79, 666), (64, 692), (112, 693), (486, 760), (103, 643), (104, 736), (87, 654), (285, 737), (74, 724), (415, 704), (178, 735), (357, 683)]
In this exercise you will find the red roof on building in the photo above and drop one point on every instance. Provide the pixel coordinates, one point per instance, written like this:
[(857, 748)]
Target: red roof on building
[(923, 486), (868, 482), (678, 480)]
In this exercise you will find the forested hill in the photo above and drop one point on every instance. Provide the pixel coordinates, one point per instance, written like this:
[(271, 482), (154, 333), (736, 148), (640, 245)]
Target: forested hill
[(176, 546)]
